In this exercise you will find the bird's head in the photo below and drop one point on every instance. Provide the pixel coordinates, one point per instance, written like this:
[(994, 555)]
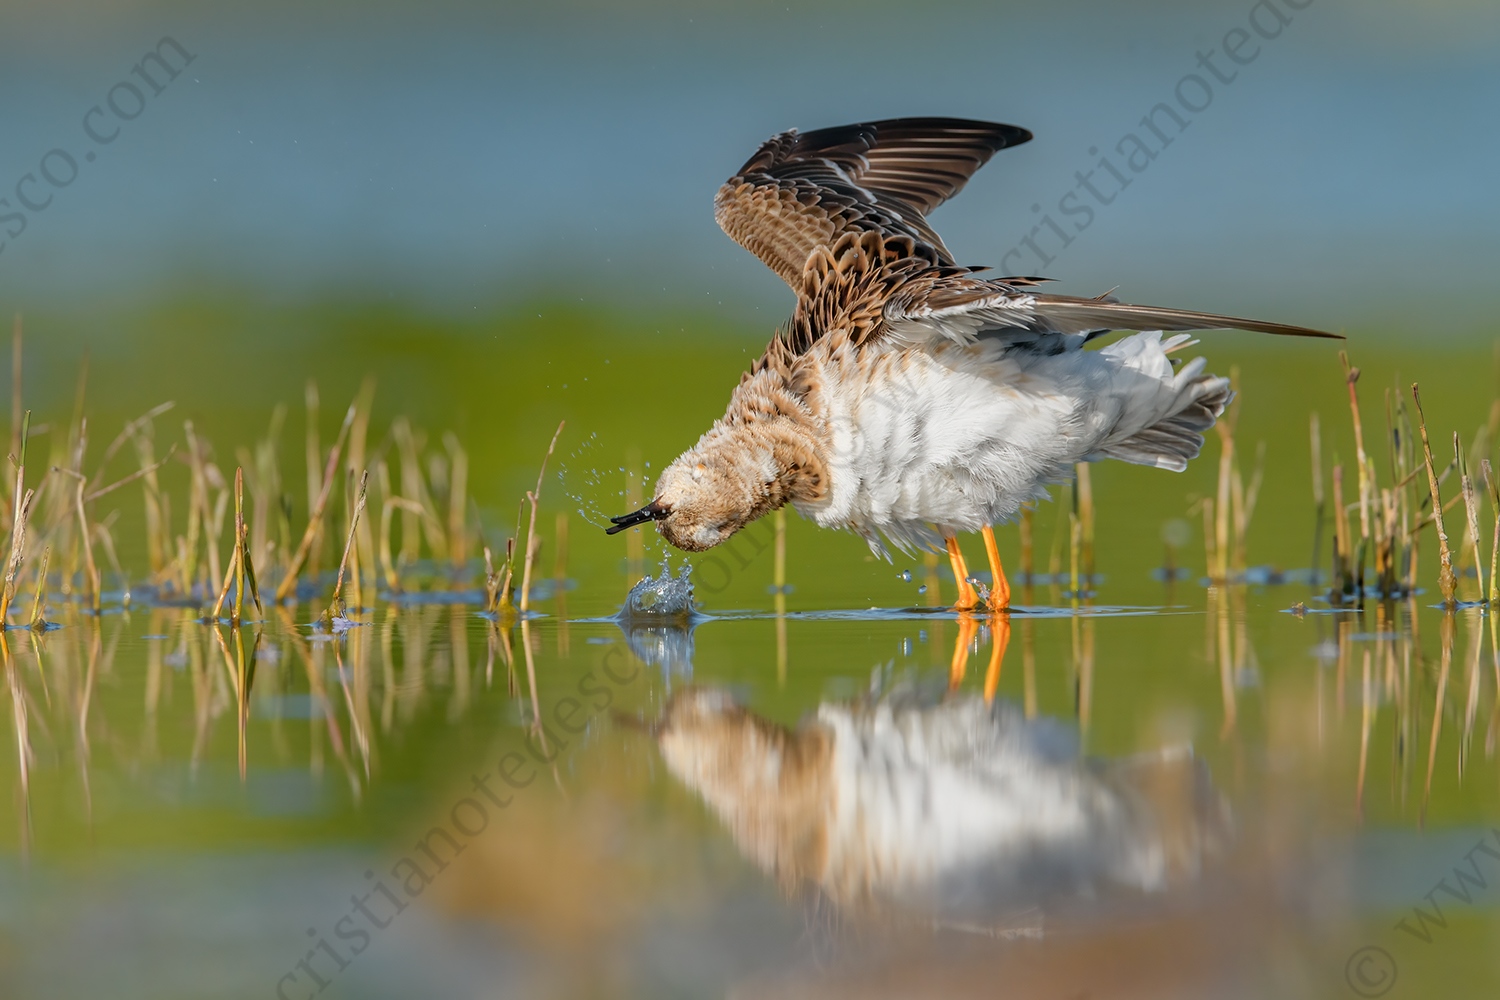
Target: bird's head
[(702, 498)]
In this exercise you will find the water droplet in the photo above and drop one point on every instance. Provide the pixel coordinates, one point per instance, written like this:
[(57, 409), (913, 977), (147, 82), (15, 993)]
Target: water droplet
[(922, 590), (904, 576)]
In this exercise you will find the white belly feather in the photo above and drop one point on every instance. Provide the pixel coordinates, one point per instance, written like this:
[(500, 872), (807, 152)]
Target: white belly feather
[(936, 441)]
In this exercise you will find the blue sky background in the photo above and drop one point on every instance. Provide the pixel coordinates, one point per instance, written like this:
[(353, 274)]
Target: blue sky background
[(459, 158)]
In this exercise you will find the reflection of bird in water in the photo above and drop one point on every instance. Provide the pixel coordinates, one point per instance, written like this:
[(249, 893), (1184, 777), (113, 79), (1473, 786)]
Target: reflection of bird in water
[(953, 808)]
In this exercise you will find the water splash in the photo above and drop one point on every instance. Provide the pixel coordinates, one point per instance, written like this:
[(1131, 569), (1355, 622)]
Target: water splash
[(658, 620), (661, 597)]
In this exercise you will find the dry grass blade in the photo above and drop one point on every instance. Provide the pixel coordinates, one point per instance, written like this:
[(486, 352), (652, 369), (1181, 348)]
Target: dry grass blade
[(315, 519), (1471, 508), (156, 511), (239, 547), (1246, 499), (336, 607), (458, 489), (18, 417), (137, 474), (20, 509), (228, 582), (1222, 511), (187, 563), (241, 569), (1343, 581), (389, 567), (127, 433), (37, 622), (1315, 435), (532, 542), (314, 454), (1028, 546), (1447, 583), (250, 569), (1494, 492), (1085, 523), (1075, 542), (413, 488), (778, 560), (91, 570), (17, 548), (504, 606), (1351, 377), (491, 583), (533, 545)]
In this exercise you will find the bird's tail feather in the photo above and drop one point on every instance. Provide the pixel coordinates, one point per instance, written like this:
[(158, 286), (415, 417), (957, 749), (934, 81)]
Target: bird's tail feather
[(1163, 425)]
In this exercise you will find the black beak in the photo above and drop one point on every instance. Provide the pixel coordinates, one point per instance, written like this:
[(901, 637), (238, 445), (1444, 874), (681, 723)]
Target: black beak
[(653, 511)]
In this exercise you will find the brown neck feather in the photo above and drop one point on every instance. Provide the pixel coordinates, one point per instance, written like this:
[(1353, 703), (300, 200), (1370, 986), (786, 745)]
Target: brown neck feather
[(769, 426)]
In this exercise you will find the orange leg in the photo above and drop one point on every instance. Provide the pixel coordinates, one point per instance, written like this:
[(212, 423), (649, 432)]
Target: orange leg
[(999, 585), (967, 598), (1000, 633), (967, 629)]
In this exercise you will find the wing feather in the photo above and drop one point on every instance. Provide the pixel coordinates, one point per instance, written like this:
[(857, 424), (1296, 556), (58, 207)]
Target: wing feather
[(962, 308), (801, 191)]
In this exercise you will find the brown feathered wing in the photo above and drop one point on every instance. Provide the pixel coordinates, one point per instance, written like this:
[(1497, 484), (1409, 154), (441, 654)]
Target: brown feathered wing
[(804, 190)]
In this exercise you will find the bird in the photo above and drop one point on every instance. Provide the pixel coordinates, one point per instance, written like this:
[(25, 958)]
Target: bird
[(910, 399)]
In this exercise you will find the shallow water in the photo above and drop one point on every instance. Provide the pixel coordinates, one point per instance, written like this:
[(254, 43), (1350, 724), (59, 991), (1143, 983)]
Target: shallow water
[(836, 788), (1210, 797)]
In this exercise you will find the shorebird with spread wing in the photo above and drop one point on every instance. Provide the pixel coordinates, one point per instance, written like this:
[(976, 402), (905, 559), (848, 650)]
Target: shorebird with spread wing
[(908, 397)]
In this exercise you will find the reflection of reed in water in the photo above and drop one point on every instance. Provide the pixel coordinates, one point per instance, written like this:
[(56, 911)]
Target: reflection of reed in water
[(1407, 705), (355, 692), (951, 807)]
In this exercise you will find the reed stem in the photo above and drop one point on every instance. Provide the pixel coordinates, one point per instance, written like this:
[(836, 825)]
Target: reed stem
[(1494, 492), (1315, 434), (336, 608), (1447, 583), (532, 542), (1342, 581), (1471, 508), (20, 512), (239, 547), (1362, 460), (19, 419), (91, 571), (315, 518), (38, 623)]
